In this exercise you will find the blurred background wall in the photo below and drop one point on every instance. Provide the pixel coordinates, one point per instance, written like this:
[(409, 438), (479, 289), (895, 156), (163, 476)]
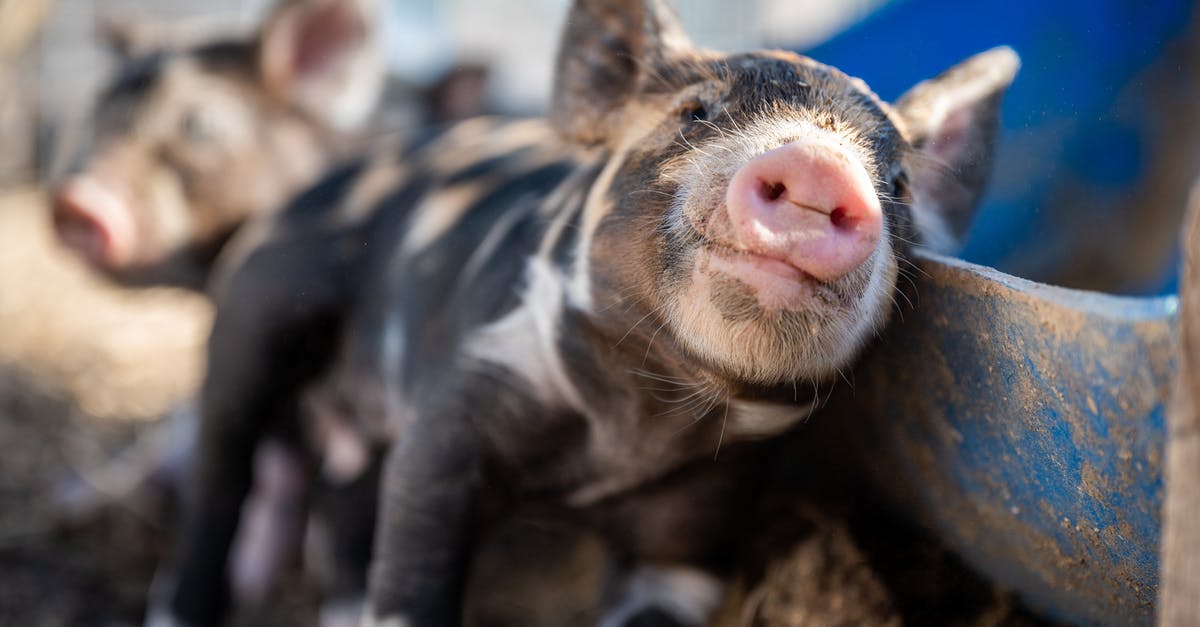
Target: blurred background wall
[(1101, 138), (516, 38), (519, 37), (1100, 128)]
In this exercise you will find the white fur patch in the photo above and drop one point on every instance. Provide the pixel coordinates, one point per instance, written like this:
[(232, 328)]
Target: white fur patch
[(384, 175), (525, 341), (159, 613), (755, 419), (160, 617), (370, 620), (594, 209), (346, 455), (873, 307), (500, 229), (436, 214), (637, 125), (343, 613), (479, 139), (688, 594), (754, 350)]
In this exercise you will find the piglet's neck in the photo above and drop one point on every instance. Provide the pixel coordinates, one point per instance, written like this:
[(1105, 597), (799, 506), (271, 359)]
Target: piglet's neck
[(648, 363)]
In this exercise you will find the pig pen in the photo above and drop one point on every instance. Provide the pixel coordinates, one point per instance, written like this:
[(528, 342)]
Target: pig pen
[(86, 369)]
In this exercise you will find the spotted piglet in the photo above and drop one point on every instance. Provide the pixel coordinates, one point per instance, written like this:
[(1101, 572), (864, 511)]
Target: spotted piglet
[(606, 310)]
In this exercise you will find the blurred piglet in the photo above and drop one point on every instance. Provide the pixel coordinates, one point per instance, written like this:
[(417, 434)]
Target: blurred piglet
[(189, 143), (193, 138), (196, 135)]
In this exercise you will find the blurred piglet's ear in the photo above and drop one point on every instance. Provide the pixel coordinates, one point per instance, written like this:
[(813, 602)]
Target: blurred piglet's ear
[(459, 93), (127, 35), (131, 34), (322, 56), (607, 49), (952, 122)]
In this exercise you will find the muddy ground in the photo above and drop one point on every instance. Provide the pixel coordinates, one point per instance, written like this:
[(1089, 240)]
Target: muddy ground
[(87, 368)]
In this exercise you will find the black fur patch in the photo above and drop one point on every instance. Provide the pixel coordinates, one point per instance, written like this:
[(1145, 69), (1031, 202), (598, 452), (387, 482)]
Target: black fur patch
[(734, 299)]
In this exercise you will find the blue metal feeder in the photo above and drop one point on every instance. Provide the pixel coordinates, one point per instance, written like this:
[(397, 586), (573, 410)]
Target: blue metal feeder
[(1025, 425)]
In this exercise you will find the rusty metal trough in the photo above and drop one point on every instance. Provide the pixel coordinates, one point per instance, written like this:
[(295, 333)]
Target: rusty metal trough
[(1025, 425)]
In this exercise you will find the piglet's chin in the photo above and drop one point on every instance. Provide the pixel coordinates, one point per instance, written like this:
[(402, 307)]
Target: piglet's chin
[(762, 321)]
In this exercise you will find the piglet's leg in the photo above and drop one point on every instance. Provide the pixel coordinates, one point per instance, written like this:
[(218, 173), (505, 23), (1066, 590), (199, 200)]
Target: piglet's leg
[(272, 521), (271, 336), (425, 523), (229, 432), (341, 540), (677, 539)]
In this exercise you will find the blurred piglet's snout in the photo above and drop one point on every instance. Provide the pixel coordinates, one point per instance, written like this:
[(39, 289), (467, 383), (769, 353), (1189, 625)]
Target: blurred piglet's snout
[(809, 204), (93, 220)]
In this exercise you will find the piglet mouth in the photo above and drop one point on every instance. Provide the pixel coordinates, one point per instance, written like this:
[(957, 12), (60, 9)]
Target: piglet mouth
[(775, 283), (759, 263)]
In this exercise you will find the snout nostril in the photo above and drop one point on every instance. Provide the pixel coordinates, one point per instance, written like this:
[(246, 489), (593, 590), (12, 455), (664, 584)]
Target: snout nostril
[(839, 218), (772, 191), (63, 212)]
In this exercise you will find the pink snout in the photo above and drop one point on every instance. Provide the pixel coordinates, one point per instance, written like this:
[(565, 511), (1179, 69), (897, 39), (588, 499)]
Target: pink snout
[(808, 204), (92, 219)]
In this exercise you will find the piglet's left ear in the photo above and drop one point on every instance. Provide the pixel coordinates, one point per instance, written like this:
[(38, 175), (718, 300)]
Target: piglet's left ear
[(607, 50), (322, 57), (952, 122)]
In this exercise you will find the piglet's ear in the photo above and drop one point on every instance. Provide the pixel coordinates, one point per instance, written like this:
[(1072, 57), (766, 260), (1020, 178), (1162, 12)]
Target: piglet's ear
[(608, 48), (322, 57), (952, 122), (121, 34), (127, 34)]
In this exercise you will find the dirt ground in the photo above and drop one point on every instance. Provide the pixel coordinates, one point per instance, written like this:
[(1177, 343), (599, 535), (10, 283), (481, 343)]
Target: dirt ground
[(86, 368)]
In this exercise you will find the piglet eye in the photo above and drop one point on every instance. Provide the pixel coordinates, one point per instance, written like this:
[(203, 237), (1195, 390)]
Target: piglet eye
[(693, 112), (899, 185), (196, 127)]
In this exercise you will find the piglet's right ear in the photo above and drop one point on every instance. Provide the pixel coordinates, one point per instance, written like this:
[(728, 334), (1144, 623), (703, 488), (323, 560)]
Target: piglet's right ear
[(952, 122), (322, 57), (608, 48)]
